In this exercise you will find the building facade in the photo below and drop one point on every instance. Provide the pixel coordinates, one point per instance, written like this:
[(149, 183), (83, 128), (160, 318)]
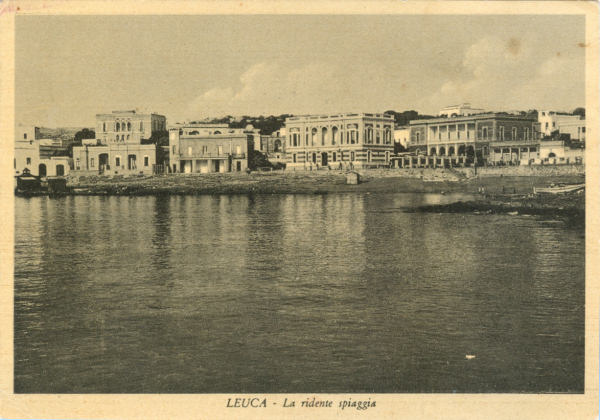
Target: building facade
[(551, 121), (402, 135), (482, 138), (121, 127), (273, 146), (459, 110), (197, 152), (339, 141), (32, 153), (118, 148)]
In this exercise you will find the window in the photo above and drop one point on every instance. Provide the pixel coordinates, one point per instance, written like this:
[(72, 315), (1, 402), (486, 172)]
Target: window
[(173, 149), (352, 156), (501, 133), (118, 127), (294, 157), (146, 160), (484, 132), (15, 163), (553, 124), (128, 127), (25, 136), (546, 125), (417, 137), (497, 150), (526, 133), (141, 125), (368, 156), (377, 136), (220, 150), (387, 157), (92, 162), (77, 164), (334, 157), (514, 133), (117, 161), (533, 149), (204, 150), (28, 160), (104, 127)]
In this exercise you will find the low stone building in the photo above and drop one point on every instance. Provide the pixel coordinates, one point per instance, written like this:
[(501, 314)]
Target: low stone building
[(338, 141)]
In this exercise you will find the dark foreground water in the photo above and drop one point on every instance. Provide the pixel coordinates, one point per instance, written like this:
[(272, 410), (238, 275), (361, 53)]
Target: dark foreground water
[(293, 293)]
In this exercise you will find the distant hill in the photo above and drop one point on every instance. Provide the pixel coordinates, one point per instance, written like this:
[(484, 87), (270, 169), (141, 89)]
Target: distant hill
[(63, 133)]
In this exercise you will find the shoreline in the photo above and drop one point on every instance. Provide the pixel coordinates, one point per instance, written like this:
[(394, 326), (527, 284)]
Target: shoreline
[(491, 191)]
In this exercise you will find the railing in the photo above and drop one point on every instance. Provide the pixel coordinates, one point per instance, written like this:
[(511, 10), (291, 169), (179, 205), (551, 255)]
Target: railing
[(213, 155)]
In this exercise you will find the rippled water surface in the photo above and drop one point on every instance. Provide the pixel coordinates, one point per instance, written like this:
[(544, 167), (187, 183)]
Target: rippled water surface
[(293, 293)]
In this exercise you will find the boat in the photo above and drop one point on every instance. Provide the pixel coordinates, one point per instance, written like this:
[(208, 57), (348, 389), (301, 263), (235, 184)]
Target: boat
[(559, 189)]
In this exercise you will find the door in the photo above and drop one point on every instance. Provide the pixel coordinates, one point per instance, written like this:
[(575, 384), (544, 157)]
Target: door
[(60, 170), (42, 170), (324, 159), (217, 165)]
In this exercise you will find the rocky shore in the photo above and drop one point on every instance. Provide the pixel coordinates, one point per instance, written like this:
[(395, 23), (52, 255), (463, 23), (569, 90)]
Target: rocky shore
[(289, 182)]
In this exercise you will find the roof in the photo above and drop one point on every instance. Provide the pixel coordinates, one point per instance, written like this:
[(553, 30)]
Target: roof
[(466, 118)]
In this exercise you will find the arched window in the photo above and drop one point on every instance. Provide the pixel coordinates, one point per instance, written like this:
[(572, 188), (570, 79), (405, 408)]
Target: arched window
[(313, 137), (334, 134), (128, 127), (118, 127), (277, 146), (324, 135)]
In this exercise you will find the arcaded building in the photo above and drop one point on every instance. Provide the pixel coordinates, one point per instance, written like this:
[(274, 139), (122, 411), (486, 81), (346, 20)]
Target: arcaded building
[(338, 141), (484, 138)]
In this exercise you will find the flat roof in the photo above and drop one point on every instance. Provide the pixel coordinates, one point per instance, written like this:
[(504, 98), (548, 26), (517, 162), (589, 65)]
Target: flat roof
[(483, 116), (340, 115)]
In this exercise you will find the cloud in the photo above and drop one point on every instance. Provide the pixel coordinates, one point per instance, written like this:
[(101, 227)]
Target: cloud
[(314, 87), (508, 73)]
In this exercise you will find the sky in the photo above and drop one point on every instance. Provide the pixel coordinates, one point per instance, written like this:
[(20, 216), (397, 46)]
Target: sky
[(69, 68)]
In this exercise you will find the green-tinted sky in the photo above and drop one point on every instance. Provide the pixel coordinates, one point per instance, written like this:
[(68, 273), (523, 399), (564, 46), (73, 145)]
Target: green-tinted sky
[(69, 68)]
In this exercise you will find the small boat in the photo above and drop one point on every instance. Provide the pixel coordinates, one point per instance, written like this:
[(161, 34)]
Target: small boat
[(559, 189)]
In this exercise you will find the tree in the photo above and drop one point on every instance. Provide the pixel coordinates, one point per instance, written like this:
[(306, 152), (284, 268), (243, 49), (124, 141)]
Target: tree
[(579, 111), (258, 160), (84, 134)]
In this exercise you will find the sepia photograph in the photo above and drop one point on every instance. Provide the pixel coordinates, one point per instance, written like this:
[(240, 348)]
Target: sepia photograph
[(260, 204)]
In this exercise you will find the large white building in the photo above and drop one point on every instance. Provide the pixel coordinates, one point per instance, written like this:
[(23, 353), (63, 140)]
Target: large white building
[(337, 141)]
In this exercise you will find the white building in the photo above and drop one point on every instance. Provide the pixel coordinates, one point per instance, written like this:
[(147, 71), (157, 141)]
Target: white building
[(118, 147), (551, 121), (352, 140), (459, 110), (28, 156), (402, 135)]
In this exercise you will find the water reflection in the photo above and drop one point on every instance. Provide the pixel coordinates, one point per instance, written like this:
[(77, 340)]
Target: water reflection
[(293, 293)]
